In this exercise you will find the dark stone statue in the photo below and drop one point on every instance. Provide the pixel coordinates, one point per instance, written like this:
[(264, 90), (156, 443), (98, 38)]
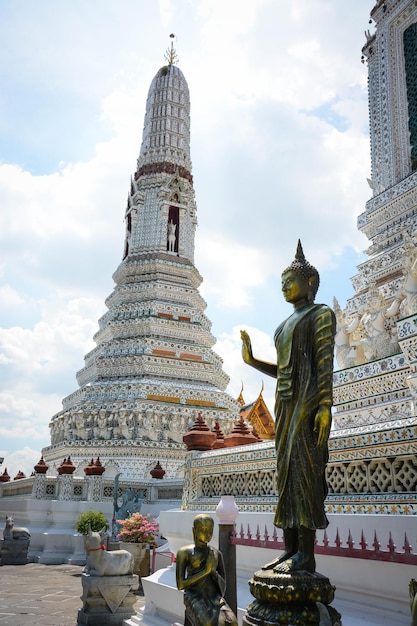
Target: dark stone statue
[(200, 573), (304, 373), (130, 504)]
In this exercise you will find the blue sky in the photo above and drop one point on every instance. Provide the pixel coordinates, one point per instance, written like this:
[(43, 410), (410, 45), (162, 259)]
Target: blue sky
[(280, 150)]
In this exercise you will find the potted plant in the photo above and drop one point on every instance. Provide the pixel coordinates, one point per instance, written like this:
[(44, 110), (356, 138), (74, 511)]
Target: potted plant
[(96, 520), (137, 534)]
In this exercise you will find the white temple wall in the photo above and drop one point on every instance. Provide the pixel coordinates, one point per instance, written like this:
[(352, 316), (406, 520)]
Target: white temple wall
[(51, 522)]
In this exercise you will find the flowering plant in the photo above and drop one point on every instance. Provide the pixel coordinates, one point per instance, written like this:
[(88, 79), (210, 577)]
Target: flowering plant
[(138, 529)]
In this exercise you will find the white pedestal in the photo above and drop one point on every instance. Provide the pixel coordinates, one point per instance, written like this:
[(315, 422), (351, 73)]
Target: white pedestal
[(164, 603), (107, 600)]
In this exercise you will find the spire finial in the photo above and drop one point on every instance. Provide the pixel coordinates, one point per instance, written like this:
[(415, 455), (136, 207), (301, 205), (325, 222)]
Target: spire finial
[(170, 54), (240, 397)]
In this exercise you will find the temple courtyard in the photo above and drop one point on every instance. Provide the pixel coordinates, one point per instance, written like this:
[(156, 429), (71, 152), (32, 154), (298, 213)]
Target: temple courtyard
[(49, 595)]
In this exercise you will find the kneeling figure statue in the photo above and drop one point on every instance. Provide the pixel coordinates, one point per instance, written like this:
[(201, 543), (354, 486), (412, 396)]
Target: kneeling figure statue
[(200, 573)]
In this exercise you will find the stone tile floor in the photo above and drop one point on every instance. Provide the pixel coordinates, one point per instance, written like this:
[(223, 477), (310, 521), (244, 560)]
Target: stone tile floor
[(41, 595)]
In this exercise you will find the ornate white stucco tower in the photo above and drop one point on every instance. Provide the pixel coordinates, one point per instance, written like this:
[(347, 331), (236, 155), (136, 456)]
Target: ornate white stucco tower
[(153, 369), (375, 390)]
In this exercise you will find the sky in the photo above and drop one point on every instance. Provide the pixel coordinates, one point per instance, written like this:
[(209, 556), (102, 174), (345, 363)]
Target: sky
[(280, 151)]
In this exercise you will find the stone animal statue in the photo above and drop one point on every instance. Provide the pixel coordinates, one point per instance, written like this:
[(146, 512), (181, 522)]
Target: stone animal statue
[(15, 545), (14, 532), (103, 563)]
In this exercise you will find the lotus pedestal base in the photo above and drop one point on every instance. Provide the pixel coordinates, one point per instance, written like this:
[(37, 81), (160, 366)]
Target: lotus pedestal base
[(296, 599)]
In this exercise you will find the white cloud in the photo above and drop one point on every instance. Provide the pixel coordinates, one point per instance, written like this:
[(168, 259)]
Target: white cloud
[(38, 368), (65, 328), (229, 347), (233, 269), (20, 460), (9, 297)]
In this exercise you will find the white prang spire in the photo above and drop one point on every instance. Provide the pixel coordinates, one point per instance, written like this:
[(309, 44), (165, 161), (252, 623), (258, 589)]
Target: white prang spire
[(153, 369)]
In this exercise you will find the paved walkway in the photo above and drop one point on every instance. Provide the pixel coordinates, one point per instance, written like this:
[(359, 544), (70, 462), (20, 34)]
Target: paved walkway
[(41, 595)]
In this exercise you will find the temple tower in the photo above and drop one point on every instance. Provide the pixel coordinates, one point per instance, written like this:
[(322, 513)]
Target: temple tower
[(376, 345), (153, 369), (390, 218)]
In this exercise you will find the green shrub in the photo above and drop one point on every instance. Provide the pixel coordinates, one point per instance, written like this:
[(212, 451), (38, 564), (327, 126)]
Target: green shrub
[(96, 520)]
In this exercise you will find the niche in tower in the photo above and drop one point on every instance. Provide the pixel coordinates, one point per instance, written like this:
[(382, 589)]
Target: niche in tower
[(410, 57), (128, 234), (173, 229)]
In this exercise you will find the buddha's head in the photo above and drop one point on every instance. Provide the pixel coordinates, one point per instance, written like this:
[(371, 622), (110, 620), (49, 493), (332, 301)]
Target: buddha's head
[(300, 280)]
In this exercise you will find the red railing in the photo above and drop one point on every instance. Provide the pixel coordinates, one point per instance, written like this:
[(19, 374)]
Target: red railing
[(361, 552), (168, 554)]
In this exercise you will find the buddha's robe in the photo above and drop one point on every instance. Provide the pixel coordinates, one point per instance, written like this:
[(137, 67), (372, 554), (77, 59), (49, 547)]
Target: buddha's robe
[(304, 344)]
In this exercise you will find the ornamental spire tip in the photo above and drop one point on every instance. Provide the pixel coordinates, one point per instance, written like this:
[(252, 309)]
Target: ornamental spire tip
[(171, 54)]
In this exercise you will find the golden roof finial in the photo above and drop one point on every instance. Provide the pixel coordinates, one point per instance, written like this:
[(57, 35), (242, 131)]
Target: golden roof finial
[(170, 54), (240, 397)]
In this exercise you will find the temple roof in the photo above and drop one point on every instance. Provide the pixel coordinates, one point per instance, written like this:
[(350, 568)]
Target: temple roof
[(258, 415)]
